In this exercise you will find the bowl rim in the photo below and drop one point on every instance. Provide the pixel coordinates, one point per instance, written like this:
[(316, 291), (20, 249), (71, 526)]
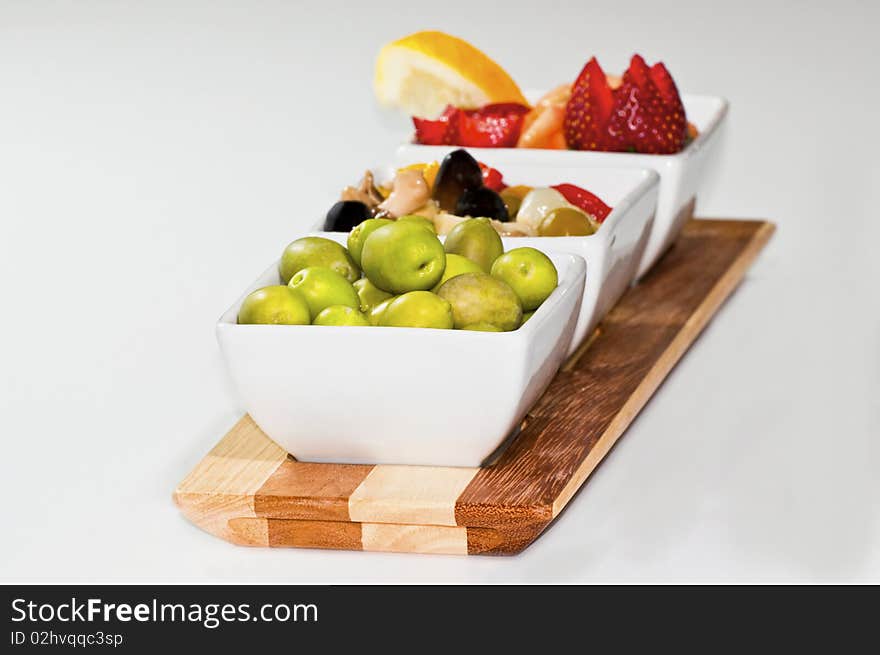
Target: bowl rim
[(575, 271)]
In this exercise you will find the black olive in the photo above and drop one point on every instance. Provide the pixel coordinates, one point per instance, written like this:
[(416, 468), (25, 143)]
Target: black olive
[(482, 203), (345, 214), (458, 172)]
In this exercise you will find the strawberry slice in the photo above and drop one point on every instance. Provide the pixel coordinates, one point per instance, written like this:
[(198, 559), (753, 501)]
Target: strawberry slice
[(648, 115), (492, 126), (664, 83), (638, 70), (492, 178), (588, 110), (589, 202), (440, 132)]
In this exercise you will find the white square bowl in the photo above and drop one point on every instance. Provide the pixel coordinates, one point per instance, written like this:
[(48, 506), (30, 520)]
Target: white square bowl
[(680, 174), (382, 395), (612, 254)]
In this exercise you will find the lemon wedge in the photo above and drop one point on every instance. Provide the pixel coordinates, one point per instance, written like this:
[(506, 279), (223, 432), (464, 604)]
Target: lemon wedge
[(423, 72)]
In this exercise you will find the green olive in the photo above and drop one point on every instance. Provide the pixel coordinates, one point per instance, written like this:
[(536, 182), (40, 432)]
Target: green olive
[(566, 221), (512, 197)]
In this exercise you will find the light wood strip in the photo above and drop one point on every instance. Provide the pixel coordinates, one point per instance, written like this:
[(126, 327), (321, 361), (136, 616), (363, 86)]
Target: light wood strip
[(250, 531), (223, 484), (409, 494), (240, 464), (436, 539)]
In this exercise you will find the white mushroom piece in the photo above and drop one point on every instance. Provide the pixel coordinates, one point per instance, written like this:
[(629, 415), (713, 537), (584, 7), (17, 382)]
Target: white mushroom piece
[(409, 192), (514, 229), (366, 192), (444, 222)]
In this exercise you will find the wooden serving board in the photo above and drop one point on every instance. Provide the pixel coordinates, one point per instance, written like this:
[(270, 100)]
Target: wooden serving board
[(248, 491)]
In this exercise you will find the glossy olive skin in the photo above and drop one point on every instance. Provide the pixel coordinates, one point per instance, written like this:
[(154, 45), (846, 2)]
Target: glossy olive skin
[(274, 305), (482, 327), (402, 257), (476, 240), (530, 273), (359, 234), (458, 173), (424, 221), (345, 215), (479, 298), (323, 287), (420, 309), (457, 265), (374, 316), (341, 315), (316, 251), (369, 294), (482, 202), (566, 222), (513, 196)]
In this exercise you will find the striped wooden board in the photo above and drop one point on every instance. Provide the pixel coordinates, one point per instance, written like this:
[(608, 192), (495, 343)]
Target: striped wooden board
[(248, 491)]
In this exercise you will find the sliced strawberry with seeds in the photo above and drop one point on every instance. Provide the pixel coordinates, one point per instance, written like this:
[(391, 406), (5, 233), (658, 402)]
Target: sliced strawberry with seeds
[(664, 83), (648, 115), (638, 71), (493, 126), (589, 202), (588, 110)]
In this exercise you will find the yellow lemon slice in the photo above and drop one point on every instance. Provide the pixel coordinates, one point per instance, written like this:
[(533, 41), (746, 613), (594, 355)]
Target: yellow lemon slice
[(423, 72)]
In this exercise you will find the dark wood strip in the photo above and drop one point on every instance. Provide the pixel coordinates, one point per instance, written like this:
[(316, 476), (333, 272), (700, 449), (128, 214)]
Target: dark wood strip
[(338, 535), (581, 402), (303, 490), (502, 541)]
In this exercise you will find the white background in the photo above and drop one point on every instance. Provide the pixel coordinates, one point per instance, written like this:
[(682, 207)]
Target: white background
[(154, 157)]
